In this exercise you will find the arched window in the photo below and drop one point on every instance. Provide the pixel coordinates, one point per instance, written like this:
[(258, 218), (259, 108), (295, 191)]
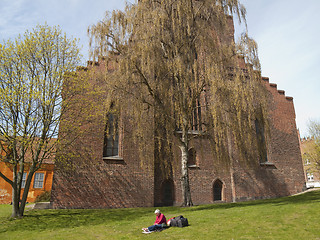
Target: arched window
[(217, 190), (111, 134), (261, 141), (192, 160)]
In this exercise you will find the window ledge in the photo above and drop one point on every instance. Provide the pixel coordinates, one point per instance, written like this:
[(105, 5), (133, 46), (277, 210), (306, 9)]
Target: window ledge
[(268, 165), (193, 166), (113, 158)]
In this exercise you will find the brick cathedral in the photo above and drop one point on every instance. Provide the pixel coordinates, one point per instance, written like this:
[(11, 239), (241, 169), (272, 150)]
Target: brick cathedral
[(107, 172)]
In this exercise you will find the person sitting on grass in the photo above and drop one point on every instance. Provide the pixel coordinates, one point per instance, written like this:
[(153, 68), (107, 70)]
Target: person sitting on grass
[(158, 224)]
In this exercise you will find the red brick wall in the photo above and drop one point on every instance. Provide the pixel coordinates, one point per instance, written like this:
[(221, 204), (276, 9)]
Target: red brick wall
[(92, 182), (282, 177), (83, 179)]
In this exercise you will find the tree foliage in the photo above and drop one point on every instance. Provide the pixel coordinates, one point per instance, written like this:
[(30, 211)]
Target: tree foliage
[(313, 153), (32, 69), (177, 57)]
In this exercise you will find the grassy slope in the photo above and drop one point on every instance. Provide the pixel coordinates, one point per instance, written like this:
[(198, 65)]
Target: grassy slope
[(295, 217)]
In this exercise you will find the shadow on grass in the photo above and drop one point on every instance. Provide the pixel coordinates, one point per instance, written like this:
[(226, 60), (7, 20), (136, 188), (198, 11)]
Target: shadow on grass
[(41, 220), (44, 220)]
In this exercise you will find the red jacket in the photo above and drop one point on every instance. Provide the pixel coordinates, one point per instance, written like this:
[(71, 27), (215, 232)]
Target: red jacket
[(160, 219)]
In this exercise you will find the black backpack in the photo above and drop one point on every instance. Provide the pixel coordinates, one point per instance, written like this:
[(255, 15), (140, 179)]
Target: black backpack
[(179, 221)]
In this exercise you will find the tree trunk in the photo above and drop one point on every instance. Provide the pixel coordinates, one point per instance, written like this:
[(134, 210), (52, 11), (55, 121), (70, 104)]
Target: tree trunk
[(186, 193), (18, 205), (15, 194), (25, 192), (230, 153), (15, 203)]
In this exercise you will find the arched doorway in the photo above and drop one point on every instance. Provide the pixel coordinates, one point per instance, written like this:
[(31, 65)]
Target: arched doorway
[(167, 192), (217, 190)]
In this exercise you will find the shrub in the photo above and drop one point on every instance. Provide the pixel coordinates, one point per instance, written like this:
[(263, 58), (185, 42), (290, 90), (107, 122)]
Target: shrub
[(44, 197)]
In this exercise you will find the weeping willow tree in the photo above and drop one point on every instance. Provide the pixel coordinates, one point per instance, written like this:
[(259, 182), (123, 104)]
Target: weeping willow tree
[(177, 57)]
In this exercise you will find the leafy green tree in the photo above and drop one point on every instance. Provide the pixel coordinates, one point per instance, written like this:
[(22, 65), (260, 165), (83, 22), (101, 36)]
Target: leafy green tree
[(177, 57), (32, 69)]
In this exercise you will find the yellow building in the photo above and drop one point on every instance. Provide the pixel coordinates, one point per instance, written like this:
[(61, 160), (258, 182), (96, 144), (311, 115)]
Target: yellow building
[(311, 173), (41, 180)]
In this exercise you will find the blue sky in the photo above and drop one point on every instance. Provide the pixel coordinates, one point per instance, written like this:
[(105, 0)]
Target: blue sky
[(287, 33)]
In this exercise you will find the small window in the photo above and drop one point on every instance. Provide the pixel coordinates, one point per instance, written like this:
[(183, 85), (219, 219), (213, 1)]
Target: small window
[(192, 160), (24, 177), (38, 180), (310, 176), (196, 119), (307, 161)]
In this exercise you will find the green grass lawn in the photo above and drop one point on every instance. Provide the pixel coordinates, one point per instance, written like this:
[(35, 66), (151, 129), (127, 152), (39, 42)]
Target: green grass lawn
[(296, 217)]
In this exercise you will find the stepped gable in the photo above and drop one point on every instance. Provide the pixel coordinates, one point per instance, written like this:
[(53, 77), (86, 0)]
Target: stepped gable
[(274, 85)]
